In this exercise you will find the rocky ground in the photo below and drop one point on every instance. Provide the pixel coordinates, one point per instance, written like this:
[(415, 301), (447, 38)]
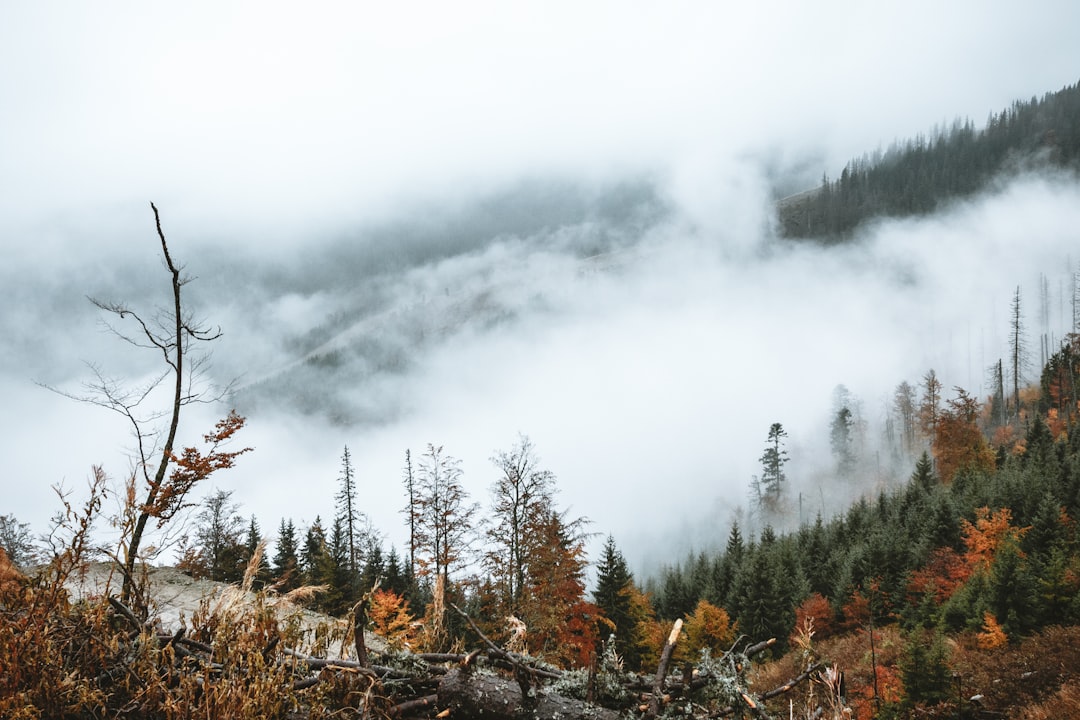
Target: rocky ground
[(176, 597)]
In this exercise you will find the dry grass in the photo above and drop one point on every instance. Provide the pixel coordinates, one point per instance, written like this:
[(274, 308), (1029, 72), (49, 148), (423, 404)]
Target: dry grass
[(1035, 679), (68, 657), (1065, 703), (1022, 677)]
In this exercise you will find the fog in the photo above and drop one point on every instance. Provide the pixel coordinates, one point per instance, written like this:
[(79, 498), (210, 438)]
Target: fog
[(556, 223)]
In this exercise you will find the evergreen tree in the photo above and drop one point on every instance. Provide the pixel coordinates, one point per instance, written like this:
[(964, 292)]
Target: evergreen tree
[(675, 597), (251, 544), (1012, 590), (612, 595), (759, 595), (841, 441), (725, 568), (348, 511), (924, 477), (374, 567), (336, 574), (286, 559), (314, 554), (397, 579), (925, 669), (772, 462)]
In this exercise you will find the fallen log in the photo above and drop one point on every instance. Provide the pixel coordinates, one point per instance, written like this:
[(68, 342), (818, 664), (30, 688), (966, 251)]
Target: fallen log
[(470, 694)]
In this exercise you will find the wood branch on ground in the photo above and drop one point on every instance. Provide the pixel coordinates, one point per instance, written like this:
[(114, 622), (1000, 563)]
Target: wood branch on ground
[(489, 682)]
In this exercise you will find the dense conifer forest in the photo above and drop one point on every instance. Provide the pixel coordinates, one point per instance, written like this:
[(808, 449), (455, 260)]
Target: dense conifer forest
[(922, 174)]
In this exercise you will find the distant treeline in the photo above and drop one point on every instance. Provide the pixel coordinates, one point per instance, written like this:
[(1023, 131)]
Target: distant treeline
[(917, 176)]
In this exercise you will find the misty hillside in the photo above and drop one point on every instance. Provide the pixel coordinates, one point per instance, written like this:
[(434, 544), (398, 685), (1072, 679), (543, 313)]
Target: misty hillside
[(920, 175), (403, 288)]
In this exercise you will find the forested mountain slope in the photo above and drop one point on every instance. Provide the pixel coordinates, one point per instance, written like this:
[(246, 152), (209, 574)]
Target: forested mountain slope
[(922, 174), (978, 551)]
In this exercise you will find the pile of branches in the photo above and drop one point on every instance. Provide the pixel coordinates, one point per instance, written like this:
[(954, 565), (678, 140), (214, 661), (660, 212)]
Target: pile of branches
[(97, 657)]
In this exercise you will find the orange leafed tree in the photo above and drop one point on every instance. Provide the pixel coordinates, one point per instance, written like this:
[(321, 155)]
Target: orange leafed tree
[(818, 609), (707, 627), (194, 465), (959, 444), (943, 575), (391, 620), (983, 537), (865, 607), (562, 625), (992, 635)]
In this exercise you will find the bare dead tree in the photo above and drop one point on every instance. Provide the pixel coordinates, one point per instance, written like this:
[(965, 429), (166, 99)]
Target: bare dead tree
[(171, 332), (1018, 350)]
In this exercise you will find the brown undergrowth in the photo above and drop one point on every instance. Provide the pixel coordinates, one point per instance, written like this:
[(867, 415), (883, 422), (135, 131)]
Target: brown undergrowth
[(1037, 678), (69, 658)]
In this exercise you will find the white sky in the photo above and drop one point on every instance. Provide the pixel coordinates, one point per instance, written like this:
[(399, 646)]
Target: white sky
[(271, 127)]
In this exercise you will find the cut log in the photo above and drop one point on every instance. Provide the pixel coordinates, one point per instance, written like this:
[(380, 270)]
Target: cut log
[(476, 695)]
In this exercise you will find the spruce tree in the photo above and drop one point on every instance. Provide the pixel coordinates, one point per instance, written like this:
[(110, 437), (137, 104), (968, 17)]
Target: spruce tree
[(924, 477), (726, 568), (772, 462), (374, 567), (313, 555), (612, 596), (251, 545), (348, 512), (841, 441), (286, 559), (336, 574)]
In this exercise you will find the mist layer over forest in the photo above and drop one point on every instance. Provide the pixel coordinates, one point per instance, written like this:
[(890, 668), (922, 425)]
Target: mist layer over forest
[(645, 346)]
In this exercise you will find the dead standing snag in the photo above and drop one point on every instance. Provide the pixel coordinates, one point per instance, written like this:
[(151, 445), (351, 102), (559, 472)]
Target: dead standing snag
[(170, 332)]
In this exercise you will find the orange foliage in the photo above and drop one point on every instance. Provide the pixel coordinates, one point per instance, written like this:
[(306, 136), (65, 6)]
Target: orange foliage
[(656, 634), (943, 575), (987, 534), (890, 689), (579, 634), (958, 442), (992, 635), (391, 620), (1005, 436), (708, 627), (856, 611), (1055, 423), (818, 609), (192, 466), (10, 577), (562, 626)]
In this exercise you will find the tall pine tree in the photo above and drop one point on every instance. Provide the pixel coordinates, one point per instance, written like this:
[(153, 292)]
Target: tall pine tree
[(614, 596)]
